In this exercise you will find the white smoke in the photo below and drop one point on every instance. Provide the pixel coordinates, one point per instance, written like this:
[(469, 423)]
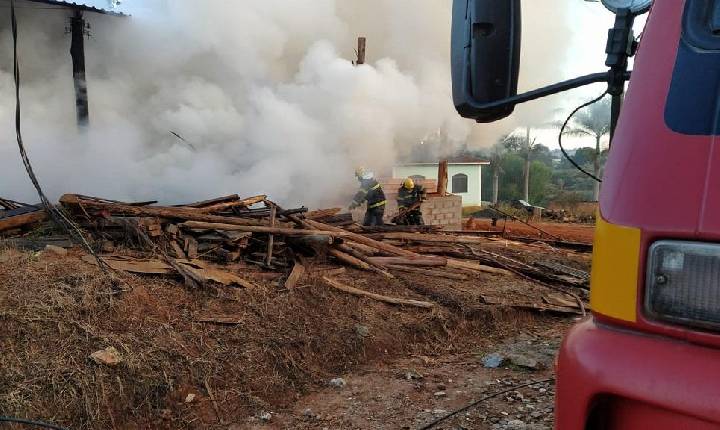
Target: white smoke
[(263, 91)]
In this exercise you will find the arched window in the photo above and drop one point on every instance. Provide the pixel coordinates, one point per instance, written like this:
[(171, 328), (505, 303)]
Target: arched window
[(460, 183)]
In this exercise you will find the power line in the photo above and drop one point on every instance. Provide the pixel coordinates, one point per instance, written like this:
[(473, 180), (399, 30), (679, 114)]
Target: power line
[(476, 402), (562, 130), (31, 423), (56, 214)]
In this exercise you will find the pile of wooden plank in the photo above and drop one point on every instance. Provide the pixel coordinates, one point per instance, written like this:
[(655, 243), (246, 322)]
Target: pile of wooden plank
[(234, 241), (16, 216)]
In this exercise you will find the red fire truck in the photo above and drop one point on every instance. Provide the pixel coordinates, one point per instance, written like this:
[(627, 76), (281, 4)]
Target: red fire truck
[(649, 356)]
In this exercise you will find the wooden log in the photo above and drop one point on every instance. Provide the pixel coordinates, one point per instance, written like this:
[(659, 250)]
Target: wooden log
[(296, 275), (219, 207), (281, 231), (375, 267), (349, 259), (177, 250), (431, 238), (429, 272), (475, 267), (322, 213), (422, 261), (392, 300), (442, 181), (186, 214), (271, 238), (191, 247), (18, 221), (204, 203), (393, 250)]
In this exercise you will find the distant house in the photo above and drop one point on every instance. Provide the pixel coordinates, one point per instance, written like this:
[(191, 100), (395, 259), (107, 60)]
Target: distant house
[(464, 176)]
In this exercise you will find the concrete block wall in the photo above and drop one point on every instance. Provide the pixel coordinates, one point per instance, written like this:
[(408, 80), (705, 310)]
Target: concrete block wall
[(445, 211)]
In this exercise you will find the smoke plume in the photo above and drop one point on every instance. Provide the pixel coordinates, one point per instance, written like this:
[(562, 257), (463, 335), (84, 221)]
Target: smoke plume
[(263, 92)]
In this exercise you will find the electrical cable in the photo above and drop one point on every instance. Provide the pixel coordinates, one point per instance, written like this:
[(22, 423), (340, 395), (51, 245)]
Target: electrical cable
[(562, 130), (476, 402), (56, 214), (30, 422)]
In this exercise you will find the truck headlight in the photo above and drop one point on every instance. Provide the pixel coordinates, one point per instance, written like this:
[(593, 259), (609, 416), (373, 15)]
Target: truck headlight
[(683, 283)]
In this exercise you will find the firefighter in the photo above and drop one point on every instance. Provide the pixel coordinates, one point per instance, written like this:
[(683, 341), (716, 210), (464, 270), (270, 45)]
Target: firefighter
[(410, 195), (371, 192)]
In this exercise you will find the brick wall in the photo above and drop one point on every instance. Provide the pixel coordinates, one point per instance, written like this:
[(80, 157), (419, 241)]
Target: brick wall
[(445, 211)]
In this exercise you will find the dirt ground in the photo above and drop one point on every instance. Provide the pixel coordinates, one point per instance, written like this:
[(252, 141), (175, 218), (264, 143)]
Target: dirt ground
[(566, 231), (271, 363)]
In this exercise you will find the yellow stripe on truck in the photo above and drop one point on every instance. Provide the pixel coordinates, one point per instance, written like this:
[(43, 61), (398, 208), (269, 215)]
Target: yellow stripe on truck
[(614, 278)]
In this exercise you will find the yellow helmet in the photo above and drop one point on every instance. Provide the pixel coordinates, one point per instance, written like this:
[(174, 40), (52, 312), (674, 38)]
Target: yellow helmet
[(409, 184), (360, 172)]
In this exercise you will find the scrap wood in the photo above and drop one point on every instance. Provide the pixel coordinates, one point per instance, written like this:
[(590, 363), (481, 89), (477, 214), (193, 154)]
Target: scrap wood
[(374, 266), (428, 272), (390, 249), (187, 214), (575, 246), (421, 261), (322, 213), (349, 259), (475, 267), (282, 231), (538, 307), (400, 228), (328, 271), (392, 300), (133, 265), (21, 217), (199, 271), (295, 276), (205, 203), (425, 237), (219, 207)]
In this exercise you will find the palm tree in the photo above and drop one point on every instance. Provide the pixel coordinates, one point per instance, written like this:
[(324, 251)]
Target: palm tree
[(593, 122)]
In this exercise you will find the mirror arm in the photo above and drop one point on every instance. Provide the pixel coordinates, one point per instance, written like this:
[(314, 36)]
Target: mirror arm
[(549, 90)]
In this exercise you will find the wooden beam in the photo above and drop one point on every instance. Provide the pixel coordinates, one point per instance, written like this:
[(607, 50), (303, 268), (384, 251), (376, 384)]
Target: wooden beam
[(442, 181), (180, 213), (362, 45), (17, 221), (271, 238), (392, 300)]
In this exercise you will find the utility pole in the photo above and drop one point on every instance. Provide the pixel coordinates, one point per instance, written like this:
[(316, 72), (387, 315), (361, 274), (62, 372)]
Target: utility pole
[(362, 43), (78, 29)]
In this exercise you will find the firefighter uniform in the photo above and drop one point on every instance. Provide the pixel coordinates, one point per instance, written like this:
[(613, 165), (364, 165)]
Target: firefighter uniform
[(371, 192), (409, 194)]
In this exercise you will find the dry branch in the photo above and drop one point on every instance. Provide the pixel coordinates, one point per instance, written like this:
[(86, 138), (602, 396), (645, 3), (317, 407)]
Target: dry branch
[(392, 300)]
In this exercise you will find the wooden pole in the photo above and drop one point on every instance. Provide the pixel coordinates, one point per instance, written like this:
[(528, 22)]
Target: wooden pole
[(392, 300), (271, 238), (77, 52), (362, 43), (442, 181)]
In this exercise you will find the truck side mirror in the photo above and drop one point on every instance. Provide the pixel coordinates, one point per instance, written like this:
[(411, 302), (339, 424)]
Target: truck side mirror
[(485, 51)]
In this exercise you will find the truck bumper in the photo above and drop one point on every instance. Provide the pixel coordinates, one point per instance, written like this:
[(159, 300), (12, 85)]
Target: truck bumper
[(612, 378)]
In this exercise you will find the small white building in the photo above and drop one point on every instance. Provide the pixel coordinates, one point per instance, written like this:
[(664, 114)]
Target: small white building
[(464, 177)]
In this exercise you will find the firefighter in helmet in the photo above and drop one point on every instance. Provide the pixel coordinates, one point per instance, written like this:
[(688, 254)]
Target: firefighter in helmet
[(370, 192), (410, 196)]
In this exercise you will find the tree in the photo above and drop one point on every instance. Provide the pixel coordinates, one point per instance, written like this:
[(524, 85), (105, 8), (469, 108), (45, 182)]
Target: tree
[(525, 146), (593, 122)]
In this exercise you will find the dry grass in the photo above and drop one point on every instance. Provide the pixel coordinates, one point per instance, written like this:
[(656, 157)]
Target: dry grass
[(56, 311)]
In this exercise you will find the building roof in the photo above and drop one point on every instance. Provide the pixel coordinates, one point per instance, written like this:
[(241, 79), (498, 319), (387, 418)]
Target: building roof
[(451, 161), (109, 7)]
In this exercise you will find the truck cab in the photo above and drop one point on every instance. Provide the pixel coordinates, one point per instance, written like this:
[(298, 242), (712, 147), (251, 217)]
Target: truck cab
[(648, 357)]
